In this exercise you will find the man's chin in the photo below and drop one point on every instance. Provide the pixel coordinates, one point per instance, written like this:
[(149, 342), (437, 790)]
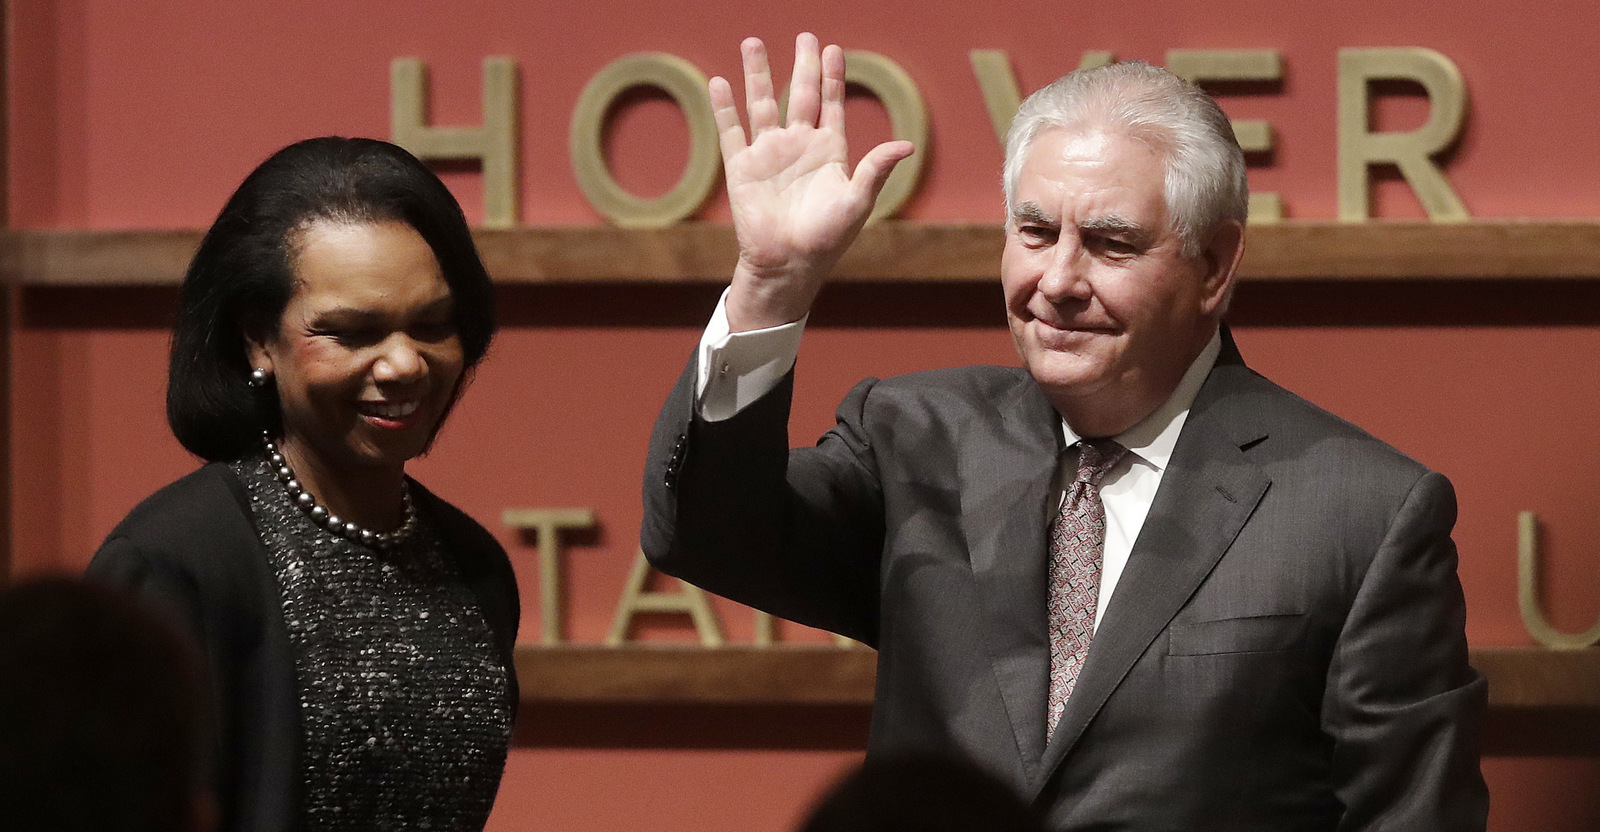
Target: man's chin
[(1069, 378), (1046, 338)]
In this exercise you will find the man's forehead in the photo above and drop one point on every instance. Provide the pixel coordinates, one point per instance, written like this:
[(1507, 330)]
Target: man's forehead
[(1105, 178), (1090, 145), (1096, 137)]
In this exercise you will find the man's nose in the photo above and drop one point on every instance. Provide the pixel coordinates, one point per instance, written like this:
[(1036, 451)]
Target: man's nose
[(1064, 276)]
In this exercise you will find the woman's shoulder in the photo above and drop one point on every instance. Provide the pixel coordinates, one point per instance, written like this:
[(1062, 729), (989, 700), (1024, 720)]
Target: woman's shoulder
[(481, 560), (458, 528), (192, 545), (199, 510)]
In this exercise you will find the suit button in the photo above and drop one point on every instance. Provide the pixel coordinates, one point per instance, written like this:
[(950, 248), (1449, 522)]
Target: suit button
[(676, 462)]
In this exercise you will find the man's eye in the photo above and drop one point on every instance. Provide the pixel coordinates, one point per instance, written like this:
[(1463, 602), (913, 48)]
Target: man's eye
[(1113, 246), (1037, 234)]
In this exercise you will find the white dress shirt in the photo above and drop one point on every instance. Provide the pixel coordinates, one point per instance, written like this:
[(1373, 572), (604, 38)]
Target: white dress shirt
[(736, 369), (1128, 490)]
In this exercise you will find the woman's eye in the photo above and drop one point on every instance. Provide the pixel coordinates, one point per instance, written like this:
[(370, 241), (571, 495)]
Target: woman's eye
[(433, 332), (353, 336)]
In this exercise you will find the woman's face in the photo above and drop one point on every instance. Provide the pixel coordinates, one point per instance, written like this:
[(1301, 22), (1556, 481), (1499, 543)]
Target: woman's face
[(366, 356)]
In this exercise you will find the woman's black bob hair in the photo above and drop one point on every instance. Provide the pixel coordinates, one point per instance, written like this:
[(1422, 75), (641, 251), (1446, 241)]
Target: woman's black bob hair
[(242, 277)]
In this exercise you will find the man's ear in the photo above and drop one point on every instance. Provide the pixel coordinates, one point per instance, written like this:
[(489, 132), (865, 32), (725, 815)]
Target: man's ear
[(1219, 261)]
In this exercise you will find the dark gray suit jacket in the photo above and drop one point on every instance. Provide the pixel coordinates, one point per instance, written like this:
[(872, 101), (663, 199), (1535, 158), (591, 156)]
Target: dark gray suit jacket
[(1285, 649)]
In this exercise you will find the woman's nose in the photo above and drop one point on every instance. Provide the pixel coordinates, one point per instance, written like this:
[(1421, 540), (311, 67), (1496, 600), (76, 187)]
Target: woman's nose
[(400, 361)]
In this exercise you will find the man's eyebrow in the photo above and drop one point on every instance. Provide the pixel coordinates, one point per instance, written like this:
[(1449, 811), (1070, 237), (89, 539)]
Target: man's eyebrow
[(1113, 223), (1130, 231), (1027, 212)]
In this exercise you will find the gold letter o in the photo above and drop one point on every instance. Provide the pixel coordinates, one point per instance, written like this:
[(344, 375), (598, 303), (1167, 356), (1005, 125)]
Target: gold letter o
[(908, 119), (687, 86)]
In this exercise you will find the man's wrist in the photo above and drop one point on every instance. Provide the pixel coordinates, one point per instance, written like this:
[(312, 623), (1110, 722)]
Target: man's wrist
[(735, 369), (759, 300)]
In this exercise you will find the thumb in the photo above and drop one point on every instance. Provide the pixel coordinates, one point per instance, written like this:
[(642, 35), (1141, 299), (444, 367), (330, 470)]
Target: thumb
[(874, 168)]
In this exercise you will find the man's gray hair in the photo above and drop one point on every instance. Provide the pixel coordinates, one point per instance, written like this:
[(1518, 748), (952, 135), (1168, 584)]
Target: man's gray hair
[(1205, 177)]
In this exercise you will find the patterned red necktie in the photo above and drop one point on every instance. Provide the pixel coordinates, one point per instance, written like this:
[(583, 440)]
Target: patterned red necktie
[(1077, 539)]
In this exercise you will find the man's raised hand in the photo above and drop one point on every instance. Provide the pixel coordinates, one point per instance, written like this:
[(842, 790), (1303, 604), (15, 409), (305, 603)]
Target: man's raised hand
[(796, 205)]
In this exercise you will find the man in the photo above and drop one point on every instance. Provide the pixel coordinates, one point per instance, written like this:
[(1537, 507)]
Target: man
[(1140, 583), (920, 792)]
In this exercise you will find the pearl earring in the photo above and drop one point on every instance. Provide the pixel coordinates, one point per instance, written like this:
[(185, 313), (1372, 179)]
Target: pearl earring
[(258, 377)]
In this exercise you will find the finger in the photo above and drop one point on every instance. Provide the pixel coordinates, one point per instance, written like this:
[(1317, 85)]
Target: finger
[(730, 133), (758, 100), (874, 168), (833, 88), (805, 84)]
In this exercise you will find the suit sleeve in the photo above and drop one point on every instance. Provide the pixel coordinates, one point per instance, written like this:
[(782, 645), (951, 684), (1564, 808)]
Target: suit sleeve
[(730, 508), (1403, 706)]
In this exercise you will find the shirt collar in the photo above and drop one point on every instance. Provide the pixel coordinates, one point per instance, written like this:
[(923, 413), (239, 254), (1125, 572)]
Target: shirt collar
[(1154, 437)]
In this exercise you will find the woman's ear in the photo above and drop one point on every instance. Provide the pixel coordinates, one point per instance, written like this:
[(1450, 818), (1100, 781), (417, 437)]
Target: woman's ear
[(257, 349)]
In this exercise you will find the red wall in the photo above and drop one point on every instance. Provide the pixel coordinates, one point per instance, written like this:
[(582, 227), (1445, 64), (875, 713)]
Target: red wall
[(146, 115)]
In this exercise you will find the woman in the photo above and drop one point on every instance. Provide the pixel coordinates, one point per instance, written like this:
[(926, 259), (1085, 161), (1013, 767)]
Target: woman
[(359, 629)]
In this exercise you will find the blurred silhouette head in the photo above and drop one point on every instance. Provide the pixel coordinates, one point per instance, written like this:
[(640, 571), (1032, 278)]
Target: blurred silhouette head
[(921, 792), (102, 714)]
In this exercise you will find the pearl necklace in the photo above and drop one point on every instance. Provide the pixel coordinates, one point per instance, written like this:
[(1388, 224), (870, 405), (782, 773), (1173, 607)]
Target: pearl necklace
[(320, 514)]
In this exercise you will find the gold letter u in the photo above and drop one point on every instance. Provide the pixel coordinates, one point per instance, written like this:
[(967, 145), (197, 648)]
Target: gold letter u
[(1528, 592)]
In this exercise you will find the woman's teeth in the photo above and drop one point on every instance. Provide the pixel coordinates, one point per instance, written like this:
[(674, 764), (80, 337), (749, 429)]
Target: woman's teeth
[(390, 410)]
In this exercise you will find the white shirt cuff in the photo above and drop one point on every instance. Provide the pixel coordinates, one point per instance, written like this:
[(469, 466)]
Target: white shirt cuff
[(737, 368)]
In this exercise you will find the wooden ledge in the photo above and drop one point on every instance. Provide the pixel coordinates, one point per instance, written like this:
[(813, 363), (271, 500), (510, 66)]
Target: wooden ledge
[(1519, 677), (689, 675), (886, 252), (1541, 702), (1537, 678)]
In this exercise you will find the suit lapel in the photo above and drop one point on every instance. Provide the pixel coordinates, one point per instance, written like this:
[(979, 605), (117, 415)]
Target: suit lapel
[(1007, 471), (1207, 493)]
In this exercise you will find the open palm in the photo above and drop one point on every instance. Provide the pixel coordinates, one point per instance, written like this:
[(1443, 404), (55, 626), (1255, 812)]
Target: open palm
[(796, 205)]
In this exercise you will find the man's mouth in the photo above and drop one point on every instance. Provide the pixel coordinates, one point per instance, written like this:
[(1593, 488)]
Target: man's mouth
[(1075, 326)]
